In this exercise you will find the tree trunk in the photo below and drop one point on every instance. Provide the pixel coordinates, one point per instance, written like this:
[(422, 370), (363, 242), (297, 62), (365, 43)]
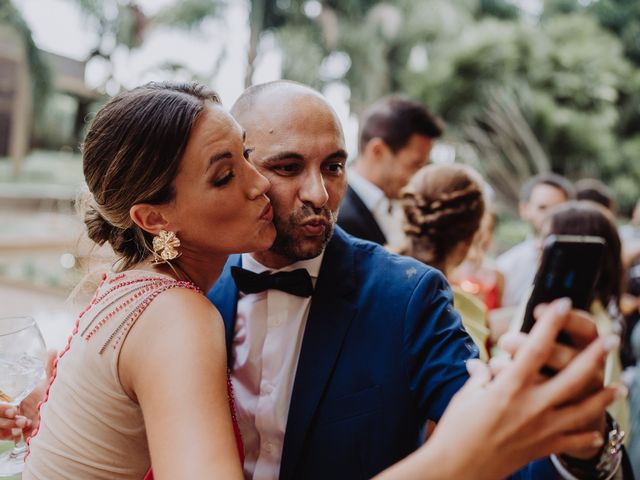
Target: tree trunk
[(256, 23)]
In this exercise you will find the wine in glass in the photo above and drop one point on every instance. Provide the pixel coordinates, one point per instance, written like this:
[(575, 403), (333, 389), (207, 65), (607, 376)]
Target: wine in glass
[(22, 360)]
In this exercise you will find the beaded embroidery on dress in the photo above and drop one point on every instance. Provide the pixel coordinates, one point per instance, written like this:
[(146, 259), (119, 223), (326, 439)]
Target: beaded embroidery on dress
[(71, 440)]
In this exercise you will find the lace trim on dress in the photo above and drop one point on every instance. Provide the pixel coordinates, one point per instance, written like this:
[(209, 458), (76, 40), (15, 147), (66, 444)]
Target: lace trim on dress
[(152, 285)]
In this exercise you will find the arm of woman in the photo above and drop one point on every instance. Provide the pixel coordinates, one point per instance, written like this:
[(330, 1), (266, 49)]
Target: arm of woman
[(173, 363)]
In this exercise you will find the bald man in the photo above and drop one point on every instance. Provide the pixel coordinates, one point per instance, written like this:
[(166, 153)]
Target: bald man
[(339, 351)]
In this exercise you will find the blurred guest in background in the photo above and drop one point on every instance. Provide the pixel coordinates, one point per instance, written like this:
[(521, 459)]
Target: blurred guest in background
[(519, 264), (632, 230), (396, 138), (630, 306), (630, 235), (595, 191), (634, 407), (589, 218), (477, 273), (444, 206)]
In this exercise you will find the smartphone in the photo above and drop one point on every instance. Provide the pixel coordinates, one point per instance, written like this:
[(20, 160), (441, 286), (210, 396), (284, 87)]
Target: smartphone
[(570, 267)]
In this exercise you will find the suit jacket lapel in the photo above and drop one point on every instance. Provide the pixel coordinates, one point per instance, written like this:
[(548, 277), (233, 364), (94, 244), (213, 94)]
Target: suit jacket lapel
[(366, 217), (331, 312), (224, 295)]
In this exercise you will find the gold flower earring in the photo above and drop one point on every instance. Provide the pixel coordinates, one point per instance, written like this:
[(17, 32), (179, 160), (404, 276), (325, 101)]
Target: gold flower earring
[(164, 247)]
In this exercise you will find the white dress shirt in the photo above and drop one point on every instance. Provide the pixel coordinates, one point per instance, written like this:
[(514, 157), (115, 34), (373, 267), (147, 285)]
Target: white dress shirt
[(387, 213), (519, 266), (266, 346)]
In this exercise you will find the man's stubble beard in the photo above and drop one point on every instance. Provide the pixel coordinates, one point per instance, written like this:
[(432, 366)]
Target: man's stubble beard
[(289, 242)]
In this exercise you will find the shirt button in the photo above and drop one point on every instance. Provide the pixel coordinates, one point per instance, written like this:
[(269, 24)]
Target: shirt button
[(268, 447), (267, 389)]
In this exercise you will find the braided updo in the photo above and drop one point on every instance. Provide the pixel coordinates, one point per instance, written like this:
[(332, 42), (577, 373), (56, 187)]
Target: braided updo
[(132, 155), (443, 206)]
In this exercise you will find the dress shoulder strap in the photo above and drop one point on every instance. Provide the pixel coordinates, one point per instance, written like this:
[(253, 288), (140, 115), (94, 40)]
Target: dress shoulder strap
[(121, 300)]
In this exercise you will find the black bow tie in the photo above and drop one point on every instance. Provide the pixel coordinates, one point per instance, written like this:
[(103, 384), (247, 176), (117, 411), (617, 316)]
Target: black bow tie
[(298, 282)]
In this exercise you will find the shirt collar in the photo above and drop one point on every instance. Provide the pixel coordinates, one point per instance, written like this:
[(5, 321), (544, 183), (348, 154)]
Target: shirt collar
[(369, 193), (312, 265)]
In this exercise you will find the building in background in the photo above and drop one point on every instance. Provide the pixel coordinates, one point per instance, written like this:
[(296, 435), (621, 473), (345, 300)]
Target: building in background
[(58, 126)]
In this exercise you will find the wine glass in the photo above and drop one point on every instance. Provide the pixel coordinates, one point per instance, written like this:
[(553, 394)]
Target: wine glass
[(22, 360)]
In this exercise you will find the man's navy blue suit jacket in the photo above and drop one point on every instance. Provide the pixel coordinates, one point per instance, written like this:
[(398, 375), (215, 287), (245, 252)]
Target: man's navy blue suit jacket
[(383, 351)]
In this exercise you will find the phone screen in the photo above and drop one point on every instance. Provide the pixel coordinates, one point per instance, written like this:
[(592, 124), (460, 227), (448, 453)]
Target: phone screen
[(570, 267)]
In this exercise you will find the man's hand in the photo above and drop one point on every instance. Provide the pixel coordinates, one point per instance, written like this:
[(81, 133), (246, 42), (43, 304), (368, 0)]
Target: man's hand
[(581, 331)]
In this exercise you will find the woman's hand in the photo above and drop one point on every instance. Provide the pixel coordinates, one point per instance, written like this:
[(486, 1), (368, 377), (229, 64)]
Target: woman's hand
[(14, 421), (495, 425), (12, 424), (580, 329)]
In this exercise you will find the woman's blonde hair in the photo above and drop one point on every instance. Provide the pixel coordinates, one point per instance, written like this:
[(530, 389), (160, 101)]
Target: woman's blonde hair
[(443, 206)]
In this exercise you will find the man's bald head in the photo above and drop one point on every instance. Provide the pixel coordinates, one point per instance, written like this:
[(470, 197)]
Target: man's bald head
[(279, 95), (296, 141)]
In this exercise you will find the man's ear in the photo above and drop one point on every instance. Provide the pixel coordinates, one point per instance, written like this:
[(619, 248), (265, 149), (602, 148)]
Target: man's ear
[(148, 217), (376, 149)]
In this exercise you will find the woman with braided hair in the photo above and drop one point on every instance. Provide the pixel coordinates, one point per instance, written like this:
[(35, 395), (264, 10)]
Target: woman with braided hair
[(444, 206)]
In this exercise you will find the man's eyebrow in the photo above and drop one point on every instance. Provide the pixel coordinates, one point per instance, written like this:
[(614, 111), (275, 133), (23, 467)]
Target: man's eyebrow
[(285, 156), (338, 155)]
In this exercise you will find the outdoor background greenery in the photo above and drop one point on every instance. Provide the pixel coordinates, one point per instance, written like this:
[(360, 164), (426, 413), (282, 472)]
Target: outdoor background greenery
[(521, 93)]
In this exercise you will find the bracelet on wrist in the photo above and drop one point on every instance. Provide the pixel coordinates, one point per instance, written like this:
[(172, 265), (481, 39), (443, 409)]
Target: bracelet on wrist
[(602, 467)]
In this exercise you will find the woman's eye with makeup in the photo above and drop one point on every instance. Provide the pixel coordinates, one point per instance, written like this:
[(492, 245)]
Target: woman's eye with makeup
[(224, 179), (247, 152)]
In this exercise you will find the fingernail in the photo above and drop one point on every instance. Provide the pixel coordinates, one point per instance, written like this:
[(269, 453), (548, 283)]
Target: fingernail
[(16, 432), (10, 413), (611, 343), (598, 441), (21, 422), (563, 305), (472, 365), (621, 392)]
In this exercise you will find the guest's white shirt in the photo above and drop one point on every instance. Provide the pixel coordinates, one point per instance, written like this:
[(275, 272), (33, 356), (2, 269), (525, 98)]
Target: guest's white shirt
[(387, 213), (519, 266), (266, 346)]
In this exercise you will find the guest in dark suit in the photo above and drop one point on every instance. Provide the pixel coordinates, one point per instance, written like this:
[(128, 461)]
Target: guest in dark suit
[(396, 137), (339, 351)]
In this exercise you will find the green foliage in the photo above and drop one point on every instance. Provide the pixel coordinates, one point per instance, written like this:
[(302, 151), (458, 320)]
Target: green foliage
[(499, 9), (55, 126), (189, 14), (302, 56), (623, 18), (39, 69), (559, 7), (518, 97), (500, 144), (115, 22)]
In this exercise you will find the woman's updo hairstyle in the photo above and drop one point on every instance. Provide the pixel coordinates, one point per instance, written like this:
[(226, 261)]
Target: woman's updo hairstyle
[(443, 206), (132, 155)]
